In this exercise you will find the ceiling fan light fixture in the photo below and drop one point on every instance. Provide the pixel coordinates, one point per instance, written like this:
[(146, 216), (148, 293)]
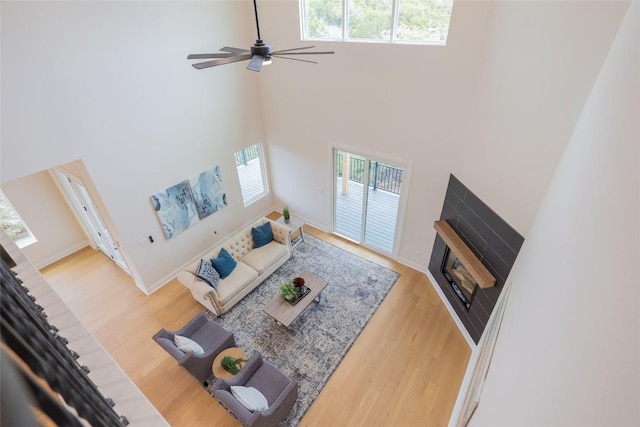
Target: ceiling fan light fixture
[(258, 55)]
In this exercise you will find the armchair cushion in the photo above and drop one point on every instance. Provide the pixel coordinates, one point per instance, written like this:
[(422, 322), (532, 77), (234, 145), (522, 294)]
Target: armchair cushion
[(188, 345), (250, 398)]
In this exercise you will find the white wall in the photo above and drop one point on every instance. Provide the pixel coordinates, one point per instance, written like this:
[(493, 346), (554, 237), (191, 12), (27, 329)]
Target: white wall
[(569, 349), (495, 107), (109, 83), (48, 216), (539, 64)]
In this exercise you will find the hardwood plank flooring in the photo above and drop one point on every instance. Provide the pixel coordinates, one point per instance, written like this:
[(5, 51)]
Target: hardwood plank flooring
[(405, 368)]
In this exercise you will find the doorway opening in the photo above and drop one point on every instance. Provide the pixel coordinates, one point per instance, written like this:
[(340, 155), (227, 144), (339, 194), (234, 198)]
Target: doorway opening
[(90, 217), (367, 200)]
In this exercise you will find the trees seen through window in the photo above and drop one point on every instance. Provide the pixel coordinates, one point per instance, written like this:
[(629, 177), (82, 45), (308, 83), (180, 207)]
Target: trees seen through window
[(404, 21)]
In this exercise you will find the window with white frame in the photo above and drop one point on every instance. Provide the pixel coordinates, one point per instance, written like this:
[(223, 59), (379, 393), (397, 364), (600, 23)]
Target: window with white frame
[(388, 21), (13, 225), (251, 173)]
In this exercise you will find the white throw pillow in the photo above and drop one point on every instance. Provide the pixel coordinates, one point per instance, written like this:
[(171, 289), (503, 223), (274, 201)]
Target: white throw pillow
[(187, 345), (250, 398)]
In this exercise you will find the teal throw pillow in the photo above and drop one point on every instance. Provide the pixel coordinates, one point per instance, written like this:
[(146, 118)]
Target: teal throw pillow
[(262, 235), (207, 273), (224, 263)]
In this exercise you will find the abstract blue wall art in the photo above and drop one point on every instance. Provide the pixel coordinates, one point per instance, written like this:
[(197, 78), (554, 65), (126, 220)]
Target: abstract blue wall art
[(208, 192), (175, 209)]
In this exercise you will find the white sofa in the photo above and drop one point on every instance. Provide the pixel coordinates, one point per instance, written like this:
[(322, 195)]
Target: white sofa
[(254, 265)]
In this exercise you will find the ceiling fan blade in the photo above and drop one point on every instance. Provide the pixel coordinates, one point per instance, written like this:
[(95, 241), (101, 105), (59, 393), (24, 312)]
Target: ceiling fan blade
[(301, 53), (294, 59), (222, 61), (208, 55), (234, 50), (296, 48), (256, 63)]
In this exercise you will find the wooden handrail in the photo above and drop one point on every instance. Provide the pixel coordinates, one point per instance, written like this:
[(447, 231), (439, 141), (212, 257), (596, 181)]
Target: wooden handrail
[(478, 271)]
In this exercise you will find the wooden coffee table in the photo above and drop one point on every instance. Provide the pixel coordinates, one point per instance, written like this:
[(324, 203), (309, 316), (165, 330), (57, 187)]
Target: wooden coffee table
[(286, 313)]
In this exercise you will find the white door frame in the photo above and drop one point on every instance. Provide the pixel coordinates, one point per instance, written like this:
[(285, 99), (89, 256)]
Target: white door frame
[(92, 221), (404, 188)]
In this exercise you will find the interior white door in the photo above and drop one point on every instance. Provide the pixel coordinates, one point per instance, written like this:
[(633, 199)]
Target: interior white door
[(93, 223)]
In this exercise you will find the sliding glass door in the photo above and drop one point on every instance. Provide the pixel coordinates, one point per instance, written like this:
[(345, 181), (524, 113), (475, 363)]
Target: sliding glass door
[(366, 200)]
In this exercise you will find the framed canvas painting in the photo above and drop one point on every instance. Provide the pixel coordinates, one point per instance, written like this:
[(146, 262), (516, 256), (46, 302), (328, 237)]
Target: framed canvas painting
[(175, 208), (208, 193)]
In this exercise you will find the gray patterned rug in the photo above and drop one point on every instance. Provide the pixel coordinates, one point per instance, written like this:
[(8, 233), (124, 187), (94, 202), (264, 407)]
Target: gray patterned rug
[(313, 346)]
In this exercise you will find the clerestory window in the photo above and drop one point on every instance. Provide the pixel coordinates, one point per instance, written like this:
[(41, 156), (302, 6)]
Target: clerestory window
[(390, 21)]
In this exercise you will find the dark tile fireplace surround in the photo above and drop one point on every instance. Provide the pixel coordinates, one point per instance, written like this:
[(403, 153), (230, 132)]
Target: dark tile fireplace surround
[(490, 238)]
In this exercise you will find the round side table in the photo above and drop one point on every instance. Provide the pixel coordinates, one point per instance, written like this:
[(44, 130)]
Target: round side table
[(218, 370)]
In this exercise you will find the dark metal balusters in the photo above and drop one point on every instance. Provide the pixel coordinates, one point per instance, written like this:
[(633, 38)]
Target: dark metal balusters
[(27, 332)]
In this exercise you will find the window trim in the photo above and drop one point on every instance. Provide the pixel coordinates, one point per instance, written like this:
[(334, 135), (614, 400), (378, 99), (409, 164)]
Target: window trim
[(345, 25), (263, 172), (30, 238)]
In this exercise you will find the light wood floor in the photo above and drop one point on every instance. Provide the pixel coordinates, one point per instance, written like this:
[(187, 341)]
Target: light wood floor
[(405, 369)]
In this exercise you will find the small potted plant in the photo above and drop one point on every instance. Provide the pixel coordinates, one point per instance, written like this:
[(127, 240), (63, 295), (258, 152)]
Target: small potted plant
[(286, 214), (288, 291), (232, 364)]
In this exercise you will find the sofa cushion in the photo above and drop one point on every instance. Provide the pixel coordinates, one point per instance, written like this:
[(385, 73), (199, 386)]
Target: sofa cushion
[(207, 273), (224, 263), (261, 259), (261, 235), (236, 282)]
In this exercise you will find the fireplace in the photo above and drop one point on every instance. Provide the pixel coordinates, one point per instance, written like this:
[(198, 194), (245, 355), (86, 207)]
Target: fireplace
[(458, 276), (486, 246), (461, 267)]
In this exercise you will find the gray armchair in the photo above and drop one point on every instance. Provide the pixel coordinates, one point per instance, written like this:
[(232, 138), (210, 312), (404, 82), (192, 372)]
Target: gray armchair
[(211, 337), (281, 392)]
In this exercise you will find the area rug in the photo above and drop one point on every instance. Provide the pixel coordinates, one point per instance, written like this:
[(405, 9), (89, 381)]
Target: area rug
[(311, 349)]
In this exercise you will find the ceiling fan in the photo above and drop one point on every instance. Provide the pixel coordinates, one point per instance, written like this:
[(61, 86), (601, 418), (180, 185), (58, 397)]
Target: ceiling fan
[(259, 54)]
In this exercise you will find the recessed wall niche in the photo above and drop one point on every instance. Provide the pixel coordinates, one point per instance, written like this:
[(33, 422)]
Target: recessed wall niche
[(490, 238)]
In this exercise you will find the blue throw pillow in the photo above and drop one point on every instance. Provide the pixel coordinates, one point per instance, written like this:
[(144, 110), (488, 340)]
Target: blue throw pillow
[(207, 273), (224, 264), (262, 235)]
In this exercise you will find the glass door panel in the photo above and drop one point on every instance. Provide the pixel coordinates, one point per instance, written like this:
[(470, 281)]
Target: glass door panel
[(383, 201), (368, 217), (349, 173)]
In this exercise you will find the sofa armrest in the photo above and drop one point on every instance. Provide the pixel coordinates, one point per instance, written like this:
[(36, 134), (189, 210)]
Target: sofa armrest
[(201, 291), (280, 233)]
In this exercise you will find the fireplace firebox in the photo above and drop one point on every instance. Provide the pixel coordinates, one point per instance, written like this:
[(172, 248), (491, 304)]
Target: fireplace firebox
[(461, 281)]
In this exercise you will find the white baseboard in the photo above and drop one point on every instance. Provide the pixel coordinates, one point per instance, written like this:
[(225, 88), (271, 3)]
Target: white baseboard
[(412, 264), (452, 312), (169, 277), (57, 257)]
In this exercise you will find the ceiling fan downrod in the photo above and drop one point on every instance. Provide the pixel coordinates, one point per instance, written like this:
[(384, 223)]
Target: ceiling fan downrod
[(255, 10)]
